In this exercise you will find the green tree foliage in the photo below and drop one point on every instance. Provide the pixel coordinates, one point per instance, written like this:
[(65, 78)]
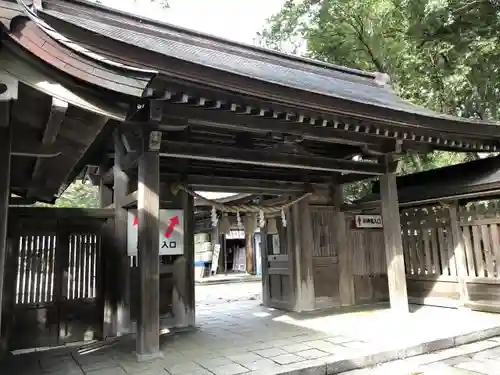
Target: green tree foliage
[(77, 195), (441, 54)]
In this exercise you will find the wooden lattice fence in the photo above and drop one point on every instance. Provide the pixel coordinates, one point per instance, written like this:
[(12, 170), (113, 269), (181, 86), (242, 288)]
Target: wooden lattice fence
[(447, 269)]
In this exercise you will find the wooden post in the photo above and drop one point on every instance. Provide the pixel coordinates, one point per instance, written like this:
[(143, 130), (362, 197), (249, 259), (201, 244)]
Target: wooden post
[(346, 282), (302, 250), (459, 251), (105, 192), (249, 254), (148, 202), (183, 301), (396, 274), (120, 316), (5, 163), (264, 253)]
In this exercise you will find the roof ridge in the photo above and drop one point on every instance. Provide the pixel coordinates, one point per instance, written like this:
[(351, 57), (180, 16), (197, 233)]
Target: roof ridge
[(379, 78)]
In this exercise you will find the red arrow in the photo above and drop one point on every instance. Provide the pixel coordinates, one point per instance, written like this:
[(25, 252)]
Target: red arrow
[(172, 222), (136, 220)]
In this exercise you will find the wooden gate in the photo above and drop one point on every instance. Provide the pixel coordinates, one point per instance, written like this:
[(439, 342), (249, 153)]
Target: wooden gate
[(55, 258)]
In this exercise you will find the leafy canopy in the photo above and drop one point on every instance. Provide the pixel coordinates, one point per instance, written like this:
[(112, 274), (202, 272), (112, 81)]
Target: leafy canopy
[(441, 54)]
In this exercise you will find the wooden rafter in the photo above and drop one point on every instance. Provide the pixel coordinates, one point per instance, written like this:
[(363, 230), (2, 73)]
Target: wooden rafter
[(56, 117)]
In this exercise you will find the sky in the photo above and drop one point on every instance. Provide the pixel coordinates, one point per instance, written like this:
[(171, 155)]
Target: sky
[(237, 20)]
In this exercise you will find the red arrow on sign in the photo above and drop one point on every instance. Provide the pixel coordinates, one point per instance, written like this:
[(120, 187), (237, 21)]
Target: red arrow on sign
[(172, 223)]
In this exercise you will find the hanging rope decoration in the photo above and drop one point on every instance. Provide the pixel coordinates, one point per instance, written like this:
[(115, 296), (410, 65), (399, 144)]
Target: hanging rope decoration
[(260, 210), (213, 217), (283, 218), (262, 219), (238, 220)]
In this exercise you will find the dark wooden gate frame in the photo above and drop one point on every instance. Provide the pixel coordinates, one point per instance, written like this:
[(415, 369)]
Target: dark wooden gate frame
[(64, 222)]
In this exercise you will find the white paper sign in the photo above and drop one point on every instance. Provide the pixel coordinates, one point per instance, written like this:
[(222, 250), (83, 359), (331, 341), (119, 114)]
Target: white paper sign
[(368, 221), (171, 232)]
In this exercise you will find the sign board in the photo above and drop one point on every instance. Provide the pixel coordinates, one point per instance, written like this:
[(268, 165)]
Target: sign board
[(171, 232), (235, 234), (368, 221), (215, 258)]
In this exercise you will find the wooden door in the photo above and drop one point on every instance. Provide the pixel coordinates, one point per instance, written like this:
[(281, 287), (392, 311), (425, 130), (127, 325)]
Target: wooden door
[(277, 269), (55, 287)]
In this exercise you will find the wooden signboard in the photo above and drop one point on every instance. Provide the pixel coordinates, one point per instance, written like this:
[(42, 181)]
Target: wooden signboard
[(215, 258), (368, 221)]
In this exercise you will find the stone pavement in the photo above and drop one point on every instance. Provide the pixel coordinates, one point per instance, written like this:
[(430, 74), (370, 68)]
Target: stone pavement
[(478, 358), (238, 336)]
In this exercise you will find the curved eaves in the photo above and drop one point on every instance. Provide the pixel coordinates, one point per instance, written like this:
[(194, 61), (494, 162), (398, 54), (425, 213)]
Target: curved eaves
[(61, 53)]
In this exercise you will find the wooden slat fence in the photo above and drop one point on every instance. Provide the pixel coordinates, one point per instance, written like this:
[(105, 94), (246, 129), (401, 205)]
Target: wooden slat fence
[(432, 255)]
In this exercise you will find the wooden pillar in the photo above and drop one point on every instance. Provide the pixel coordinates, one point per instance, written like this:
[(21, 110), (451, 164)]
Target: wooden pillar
[(105, 192), (459, 251), (264, 253), (302, 250), (396, 274), (249, 253), (183, 301), (344, 252), (120, 313), (148, 202), (5, 163)]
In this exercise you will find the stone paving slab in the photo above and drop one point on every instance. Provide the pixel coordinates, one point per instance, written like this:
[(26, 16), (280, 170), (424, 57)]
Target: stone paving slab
[(246, 338)]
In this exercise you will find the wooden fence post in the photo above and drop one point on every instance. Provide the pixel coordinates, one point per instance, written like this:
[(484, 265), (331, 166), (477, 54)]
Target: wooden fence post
[(459, 253)]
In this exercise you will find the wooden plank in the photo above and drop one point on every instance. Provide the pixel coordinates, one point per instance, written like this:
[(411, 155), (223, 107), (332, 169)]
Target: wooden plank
[(31, 266), (436, 264), (22, 271), (488, 255), (406, 250), (344, 253), (393, 244), (427, 250), (148, 322), (469, 251), (50, 268), (5, 169), (412, 243), (93, 260), (478, 251), (446, 256), (458, 250), (78, 265), (495, 244), (37, 268), (481, 221)]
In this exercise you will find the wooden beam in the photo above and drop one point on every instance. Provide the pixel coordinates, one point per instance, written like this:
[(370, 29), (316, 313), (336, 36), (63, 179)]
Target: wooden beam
[(105, 193), (21, 201), (302, 253), (186, 150), (34, 150), (148, 322), (183, 303), (244, 185), (396, 274), (5, 166), (56, 117), (228, 120)]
